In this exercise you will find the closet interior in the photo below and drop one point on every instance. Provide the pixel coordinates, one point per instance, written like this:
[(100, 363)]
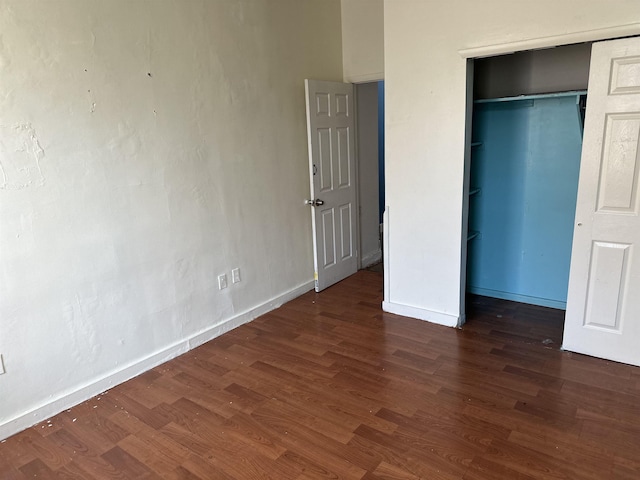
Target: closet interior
[(528, 117)]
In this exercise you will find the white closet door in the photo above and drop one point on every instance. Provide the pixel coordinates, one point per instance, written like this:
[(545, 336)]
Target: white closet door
[(603, 305)]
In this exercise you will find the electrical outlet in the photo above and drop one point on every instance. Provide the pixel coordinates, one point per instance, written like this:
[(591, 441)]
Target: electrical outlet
[(235, 275), (222, 281), (2, 370)]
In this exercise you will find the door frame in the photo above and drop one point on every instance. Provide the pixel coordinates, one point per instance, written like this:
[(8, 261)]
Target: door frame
[(356, 154), (357, 164), (470, 54)]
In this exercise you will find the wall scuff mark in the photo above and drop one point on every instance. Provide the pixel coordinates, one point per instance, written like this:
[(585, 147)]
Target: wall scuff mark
[(20, 156), (79, 316)]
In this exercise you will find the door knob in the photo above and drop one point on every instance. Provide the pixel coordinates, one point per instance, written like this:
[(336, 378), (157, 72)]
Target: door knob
[(314, 203)]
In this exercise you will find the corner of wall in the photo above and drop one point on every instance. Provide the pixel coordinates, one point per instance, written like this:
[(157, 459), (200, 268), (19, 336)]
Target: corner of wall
[(73, 397), (439, 318), (362, 40)]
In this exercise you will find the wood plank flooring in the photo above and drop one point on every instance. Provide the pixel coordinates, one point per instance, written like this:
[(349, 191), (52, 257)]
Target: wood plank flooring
[(330, 387)]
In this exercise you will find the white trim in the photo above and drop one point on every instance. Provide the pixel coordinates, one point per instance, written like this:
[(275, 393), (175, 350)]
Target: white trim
[(440, 318), (366, 77), (81, 393), (628, 30), (385, 258), (356, 158), (371, 258)]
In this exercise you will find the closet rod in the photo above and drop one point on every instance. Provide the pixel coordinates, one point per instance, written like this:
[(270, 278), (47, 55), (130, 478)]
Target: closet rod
[(574, 93)]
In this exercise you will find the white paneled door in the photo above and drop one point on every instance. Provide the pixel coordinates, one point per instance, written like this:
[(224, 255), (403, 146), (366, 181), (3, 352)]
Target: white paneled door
[(603, 305), (330, 130)]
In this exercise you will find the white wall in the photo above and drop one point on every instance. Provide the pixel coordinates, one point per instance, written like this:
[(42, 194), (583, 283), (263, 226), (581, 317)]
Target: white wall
[(425, 127), (147, 147), (363, 40), (367, 118)]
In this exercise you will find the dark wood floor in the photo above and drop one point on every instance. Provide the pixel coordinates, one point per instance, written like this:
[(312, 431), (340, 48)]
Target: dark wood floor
[(330, 387)]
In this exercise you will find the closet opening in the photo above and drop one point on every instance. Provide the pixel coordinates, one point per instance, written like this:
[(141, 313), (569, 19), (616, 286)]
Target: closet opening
[(526, 142)]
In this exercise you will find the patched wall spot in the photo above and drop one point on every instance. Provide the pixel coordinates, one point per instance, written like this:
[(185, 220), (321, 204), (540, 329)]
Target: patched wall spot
[(20, 156)]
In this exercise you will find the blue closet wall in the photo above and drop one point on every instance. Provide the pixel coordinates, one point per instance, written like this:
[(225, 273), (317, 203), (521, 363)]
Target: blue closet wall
[(526, 169)]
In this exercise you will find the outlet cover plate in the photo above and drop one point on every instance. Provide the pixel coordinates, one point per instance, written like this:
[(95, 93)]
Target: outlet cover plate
[(235, 275)]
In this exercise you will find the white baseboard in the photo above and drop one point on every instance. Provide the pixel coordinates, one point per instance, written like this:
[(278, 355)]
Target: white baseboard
[(371, 258), (84, 392), (440, 318)]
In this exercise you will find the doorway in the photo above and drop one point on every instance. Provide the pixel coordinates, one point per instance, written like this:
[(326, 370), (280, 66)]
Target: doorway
[(523, 173), (345, 143), (370, 151)]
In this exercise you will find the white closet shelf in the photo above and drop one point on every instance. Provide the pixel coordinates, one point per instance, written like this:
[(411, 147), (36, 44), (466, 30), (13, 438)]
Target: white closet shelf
[(573, 93)]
